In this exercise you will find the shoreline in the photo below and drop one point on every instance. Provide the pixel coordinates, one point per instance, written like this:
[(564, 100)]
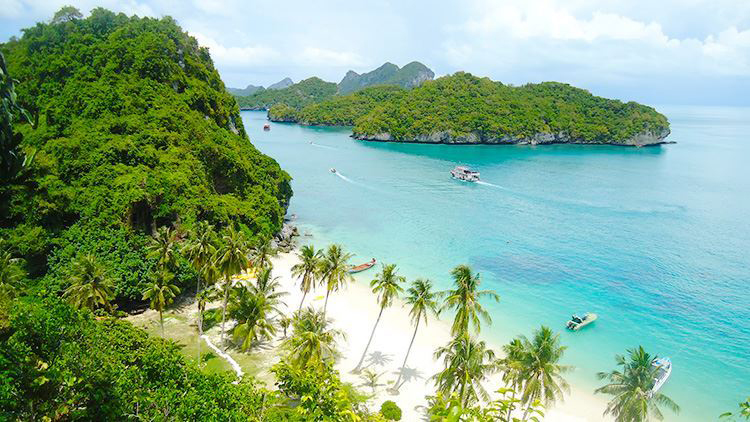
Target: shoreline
[(354, 309)]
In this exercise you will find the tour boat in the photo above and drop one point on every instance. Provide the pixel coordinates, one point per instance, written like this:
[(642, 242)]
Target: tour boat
[(576, 322), (362, 267), (267, 126), (465, 174), (665, 370)]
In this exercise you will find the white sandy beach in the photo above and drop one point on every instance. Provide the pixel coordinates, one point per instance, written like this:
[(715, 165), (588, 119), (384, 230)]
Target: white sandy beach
[(354, 310)]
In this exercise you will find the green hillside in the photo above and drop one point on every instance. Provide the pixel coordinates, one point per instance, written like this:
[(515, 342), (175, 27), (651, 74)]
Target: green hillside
[(411, 75), (298, 95), (133, 130)]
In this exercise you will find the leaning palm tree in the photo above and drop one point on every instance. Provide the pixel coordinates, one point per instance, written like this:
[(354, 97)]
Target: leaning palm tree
[(161, 292), (11, 274), (90, 285), (231, 259), (262, 254), (313, 341), (464, 300), (387, 286), (467, 362), (631, 387), (163, 246), (542, 372), (334, 270), (253, 315), (422, 300), (307, 269)]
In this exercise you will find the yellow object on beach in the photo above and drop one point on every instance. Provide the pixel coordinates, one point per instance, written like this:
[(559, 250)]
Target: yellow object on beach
[(319, 297)]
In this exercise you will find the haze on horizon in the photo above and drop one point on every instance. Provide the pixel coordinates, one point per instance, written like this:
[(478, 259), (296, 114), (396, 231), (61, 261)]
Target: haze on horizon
[(666, 52)]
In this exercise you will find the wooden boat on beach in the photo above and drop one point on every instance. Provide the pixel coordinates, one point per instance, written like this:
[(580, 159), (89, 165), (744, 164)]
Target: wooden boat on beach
[(576, 322), (362, 267)]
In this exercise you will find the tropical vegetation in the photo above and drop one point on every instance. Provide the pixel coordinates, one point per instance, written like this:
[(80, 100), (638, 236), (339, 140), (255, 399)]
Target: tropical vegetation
[(308, 91)]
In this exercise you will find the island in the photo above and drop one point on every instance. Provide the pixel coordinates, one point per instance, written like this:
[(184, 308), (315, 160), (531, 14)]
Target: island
[(466, 109)]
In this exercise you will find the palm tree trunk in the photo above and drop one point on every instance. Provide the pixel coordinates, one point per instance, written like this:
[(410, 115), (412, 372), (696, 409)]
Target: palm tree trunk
[(161, 322), (325, 305), (224, 308), (528, 408), (200, 328), (302, 301), (403, 366), (372, 334), (512, 400)]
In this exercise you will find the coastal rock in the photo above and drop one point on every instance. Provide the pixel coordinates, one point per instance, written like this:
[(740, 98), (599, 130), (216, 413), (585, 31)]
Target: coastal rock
[(446, 137), (284, 239)]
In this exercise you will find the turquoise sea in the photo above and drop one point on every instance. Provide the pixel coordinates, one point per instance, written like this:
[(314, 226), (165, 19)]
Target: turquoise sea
[(655, 240)]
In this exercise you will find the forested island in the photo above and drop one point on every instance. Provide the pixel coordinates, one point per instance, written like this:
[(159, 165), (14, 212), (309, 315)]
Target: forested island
[(465, 109)]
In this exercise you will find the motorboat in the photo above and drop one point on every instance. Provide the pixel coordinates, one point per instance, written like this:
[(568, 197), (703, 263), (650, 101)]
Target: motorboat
[(333, 170), (362, 267), (576, 322), (267, 126), (465, 174), (662, 374)]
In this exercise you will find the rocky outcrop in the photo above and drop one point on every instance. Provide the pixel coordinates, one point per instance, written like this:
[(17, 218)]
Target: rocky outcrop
[(284, 240), (284, 83), (445, 137), (409, 76)]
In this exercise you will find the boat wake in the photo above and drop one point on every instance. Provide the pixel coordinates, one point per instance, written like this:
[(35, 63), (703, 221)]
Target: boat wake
[(338, 173), (322, 146), (479, 182)]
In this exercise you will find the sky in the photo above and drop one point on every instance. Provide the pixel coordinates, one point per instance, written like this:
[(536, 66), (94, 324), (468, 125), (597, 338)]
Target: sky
[(654, 51)]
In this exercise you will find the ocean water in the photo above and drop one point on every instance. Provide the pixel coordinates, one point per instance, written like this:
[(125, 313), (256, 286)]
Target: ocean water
[(654, 240)]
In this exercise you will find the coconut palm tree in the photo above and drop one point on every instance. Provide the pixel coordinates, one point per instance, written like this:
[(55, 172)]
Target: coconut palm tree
[(201, 248), (11, 274), (285, 322), (313, 341), (422, 300), (542, 372), (464, 300), (202, 298), (262, 254), (512, 368), (161, 292), (90, 285), (231, 259), (307, 269), (387, 286), (631, 386), (163, 247), (467, 362), (334, 270), (266, 286), (253, 315)]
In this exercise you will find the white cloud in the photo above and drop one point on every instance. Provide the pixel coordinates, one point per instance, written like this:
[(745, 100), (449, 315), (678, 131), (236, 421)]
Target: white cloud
[(237, 56)]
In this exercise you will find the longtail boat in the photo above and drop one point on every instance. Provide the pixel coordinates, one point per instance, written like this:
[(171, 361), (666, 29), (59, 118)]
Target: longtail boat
[(576, 322), (362, 267)]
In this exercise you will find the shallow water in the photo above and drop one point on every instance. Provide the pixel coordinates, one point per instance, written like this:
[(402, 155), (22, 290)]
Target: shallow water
[(654, 240)]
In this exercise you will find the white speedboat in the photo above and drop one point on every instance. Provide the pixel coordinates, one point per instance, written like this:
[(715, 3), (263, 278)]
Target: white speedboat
[(576, 322), (465, 174), (333, 170), (663, 373)]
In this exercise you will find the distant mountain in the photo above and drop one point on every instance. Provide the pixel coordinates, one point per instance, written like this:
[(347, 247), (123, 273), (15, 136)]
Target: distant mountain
[(248, 90), (410, 76), (308, 91), (284, 83)]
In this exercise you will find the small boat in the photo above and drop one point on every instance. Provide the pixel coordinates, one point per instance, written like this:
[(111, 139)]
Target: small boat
[(333, 170), (465, 174), (665, 370), (362, 267), (267, 126), (576, 322)]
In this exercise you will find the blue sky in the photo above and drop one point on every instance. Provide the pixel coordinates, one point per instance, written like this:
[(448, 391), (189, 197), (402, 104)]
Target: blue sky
[(655, 51)]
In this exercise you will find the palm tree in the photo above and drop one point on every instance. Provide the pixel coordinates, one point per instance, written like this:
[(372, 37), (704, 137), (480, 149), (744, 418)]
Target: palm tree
[(542, 373), (308, 269), (253, 307), (231, 258), (423, 302), (313, 341), (202, 298), (163, 247), (633, 399), (90, 286), (285, 322), (201, 248), (161, 292), (263, 253), (464, 299), (334, 270), (265, 286), (11, 274), (387, 286), (512, 367), (467, 363), (371, 379)]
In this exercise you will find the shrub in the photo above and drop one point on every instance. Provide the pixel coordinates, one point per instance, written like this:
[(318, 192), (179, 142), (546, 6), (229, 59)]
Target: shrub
[(390, 410)]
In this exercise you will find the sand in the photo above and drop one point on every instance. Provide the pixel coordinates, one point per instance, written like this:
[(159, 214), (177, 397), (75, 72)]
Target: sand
[(354, 310)]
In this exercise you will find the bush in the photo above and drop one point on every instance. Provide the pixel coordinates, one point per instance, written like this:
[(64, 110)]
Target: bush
[(390, 410)]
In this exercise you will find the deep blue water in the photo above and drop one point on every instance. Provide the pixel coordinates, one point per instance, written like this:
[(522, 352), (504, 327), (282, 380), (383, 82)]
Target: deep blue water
[(655, 240)]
